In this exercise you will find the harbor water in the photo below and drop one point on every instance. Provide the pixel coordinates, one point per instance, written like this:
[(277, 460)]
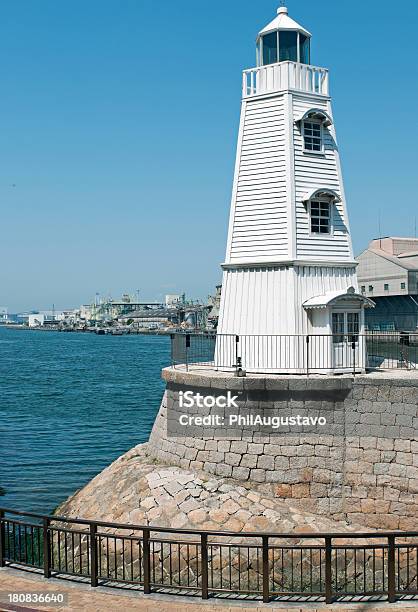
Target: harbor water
[(70, 404)]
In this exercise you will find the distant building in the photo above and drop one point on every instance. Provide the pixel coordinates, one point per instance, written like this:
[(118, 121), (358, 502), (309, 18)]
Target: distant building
[(389, 266), (214, 304), (42, 318), (151, 317), (36, 320), (3, 315), (174, 300), (86, 312), (66, 315), (388, 273)]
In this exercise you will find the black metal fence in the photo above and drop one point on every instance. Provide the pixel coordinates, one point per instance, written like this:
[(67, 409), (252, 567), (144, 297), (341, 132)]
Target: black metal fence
[(297, 353), (258, 565)]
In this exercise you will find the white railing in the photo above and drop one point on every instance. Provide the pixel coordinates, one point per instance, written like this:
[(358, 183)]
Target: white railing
[(283, 76)]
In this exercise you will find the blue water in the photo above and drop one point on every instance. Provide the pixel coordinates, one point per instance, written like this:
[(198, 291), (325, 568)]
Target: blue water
[(71, 403)]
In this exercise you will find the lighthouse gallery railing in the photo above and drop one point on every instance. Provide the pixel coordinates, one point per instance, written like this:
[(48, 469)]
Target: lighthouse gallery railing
[(297, 353), (283, 76), (332, 566)]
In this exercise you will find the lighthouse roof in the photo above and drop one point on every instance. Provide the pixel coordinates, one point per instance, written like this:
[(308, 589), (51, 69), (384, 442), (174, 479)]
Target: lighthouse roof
[(283, 22)]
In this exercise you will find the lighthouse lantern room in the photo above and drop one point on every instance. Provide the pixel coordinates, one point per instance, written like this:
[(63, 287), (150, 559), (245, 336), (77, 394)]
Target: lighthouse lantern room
[(283, 40), (290, 290)]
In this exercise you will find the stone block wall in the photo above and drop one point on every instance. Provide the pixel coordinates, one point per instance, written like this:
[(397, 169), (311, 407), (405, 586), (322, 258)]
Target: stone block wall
[(363, 468)]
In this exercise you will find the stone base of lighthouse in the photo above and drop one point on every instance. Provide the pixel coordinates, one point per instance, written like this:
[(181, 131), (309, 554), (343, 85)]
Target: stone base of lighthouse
[(359, 467)]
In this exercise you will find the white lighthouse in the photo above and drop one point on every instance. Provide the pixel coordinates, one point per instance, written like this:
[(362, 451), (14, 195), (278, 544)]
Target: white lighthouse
[(289, 278)]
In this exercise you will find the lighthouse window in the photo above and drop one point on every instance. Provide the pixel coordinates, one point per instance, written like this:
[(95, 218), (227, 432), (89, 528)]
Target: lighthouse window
[(288, 42), (320, 217), (304, 49), (312, 136), (270, 48)]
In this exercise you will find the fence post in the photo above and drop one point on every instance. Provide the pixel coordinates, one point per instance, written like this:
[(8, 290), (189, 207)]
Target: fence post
[(93, 555), (187, 351), (353, 346), (307, 355), (266, 576), (205, 568), (391, 569), (47, 548), (172, 349), (146, 561), (328, 570), (236, 353), (2, 540)]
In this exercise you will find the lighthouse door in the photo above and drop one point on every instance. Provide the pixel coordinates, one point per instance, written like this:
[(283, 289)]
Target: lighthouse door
[(345, 339)]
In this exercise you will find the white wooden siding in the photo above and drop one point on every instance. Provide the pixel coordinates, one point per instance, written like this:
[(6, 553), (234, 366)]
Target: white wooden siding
[(257, 301), (268, 300), (318, 280), (313, 171), (273, 264), (259, 216)]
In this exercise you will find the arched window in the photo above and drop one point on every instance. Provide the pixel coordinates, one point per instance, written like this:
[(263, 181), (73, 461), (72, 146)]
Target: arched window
[(320, 203), (312, 123)]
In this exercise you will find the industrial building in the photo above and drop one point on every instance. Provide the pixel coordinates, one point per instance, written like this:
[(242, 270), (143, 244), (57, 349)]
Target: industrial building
[(388, 274), (3, 315)]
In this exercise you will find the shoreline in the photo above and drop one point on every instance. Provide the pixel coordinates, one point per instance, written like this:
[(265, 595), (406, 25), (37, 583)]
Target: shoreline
[(140, 332)]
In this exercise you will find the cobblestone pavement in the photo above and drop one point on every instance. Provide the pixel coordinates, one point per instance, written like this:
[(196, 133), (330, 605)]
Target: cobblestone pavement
[(83, 597)]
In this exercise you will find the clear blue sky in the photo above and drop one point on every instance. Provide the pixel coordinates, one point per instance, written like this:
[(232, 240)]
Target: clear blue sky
[(118, 127)]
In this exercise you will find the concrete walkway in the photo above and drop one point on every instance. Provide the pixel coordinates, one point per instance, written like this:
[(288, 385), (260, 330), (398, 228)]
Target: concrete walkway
[(83, 597)]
